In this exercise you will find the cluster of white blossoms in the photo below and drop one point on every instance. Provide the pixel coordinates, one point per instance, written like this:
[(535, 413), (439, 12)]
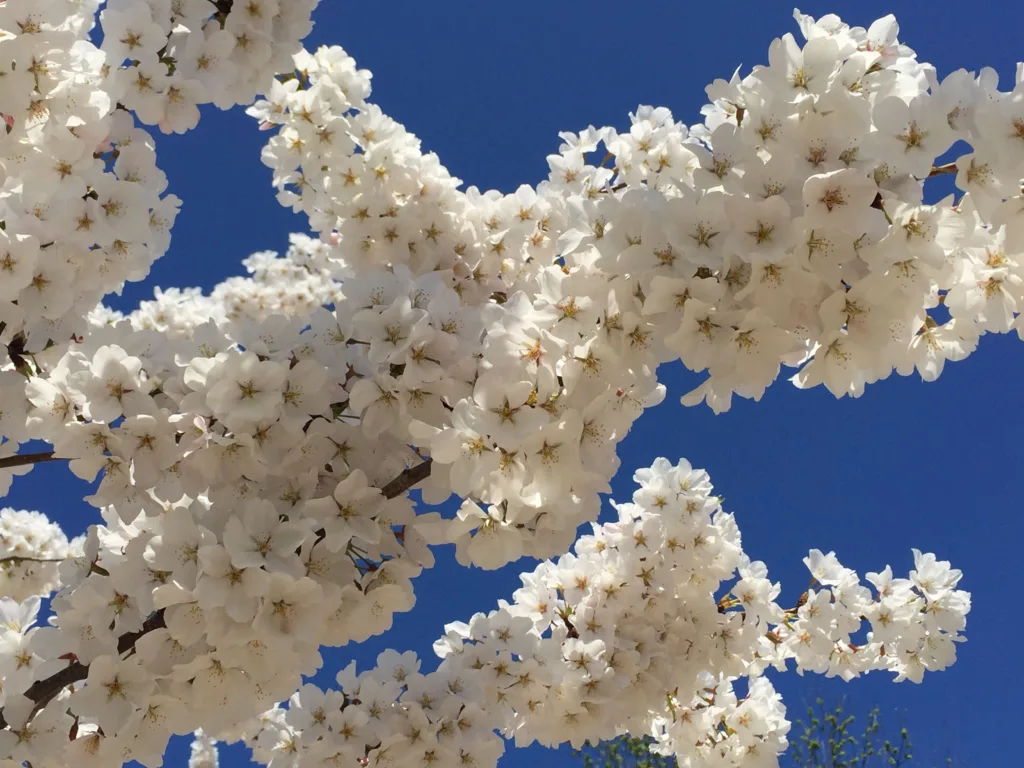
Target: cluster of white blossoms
[(81, 209), (82, 204), (203, 751), (648, 628), (170, 56), (30, 548), (296, 284), (254, 448), (789, 228)]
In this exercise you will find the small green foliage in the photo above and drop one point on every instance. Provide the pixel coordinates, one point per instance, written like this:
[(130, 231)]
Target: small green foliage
[(829, 738), (623, 752)]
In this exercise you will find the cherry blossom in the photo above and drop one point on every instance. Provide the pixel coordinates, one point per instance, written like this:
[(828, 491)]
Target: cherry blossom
[(255, 447)]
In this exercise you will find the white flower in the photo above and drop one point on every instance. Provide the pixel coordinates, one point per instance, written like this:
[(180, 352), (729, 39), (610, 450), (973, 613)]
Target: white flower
[(223, 585), (292, 609), (32, 734), (243, 390), (842, 200), (761, 227), (131, 34), (797, 73), (260, 538), (910, 136), (113, 383), (484, 538), (349, 514), (18, 255), (176, 549), (112, 691)]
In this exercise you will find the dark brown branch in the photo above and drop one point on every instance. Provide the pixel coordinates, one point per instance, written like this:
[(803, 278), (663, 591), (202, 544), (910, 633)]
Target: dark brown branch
[(27, 458), (42, 691), (407, 479), (940, 170), (16, 559)]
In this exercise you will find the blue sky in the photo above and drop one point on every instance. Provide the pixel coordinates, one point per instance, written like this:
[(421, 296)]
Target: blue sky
[(488, 86)]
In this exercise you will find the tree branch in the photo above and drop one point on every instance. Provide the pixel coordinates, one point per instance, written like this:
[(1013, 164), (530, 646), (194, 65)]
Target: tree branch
[(42, 691), (940, 170), (27, 458), (16, 559), (407, 479)]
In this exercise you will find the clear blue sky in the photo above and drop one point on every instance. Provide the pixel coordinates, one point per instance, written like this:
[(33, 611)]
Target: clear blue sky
[(488, 86)]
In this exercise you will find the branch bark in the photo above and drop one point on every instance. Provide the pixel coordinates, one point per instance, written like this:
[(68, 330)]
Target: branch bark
[(43, 691), (21, 460), (940, 170), (407, 479)]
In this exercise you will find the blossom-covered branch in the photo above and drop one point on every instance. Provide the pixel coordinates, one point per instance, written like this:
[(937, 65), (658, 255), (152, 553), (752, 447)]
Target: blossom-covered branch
[(44, 690), (667, 614), (254, 447), (660, 612)]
